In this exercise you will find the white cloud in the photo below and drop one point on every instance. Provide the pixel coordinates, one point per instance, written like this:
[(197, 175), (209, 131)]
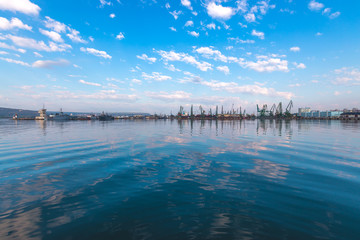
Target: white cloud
[(318, 34), (6, 46), (219, 12), (156, 76), (38, 45), (13, 23), (295, 49), (52, 35), (165, 96), (223, 69), (104, 2), (187, 4), (238, 40), (176, 14), (3, 53), (295, 85), (184, 57), (15, 61), (211, 54), (315, 6), (120, 36), (299, 65), (233, 87), (189, 23), (171, 67), (172, 29), (112, 15), (146, 58), (211, 26), (95, 52), (193, 33), (250, 17), (50, 63), (266, 64), (91, 39), (74, 36), (136, 81), (90, 83), (23, 6), (260, 35), (167, 5), (334, 15), (347, 76), (55, 25)]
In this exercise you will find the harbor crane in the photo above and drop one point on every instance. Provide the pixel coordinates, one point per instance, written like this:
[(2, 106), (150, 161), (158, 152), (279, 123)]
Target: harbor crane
[(288, 109), (272, 110)]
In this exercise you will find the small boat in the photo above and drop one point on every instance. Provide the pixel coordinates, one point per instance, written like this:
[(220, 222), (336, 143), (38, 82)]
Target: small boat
[(105, 117)]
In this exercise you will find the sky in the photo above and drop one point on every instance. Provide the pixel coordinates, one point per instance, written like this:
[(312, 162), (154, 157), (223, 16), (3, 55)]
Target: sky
[(155, 55)]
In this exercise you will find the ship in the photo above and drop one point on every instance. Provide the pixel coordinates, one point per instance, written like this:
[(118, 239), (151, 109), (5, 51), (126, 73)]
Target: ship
[(105, 117), (60, 116), (42, 115)]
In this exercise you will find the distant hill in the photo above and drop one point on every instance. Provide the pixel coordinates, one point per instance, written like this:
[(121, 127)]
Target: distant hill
[(10, 112)]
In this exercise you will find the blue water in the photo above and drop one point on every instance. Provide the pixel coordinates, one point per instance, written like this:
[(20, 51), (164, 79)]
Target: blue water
[(179, 180)]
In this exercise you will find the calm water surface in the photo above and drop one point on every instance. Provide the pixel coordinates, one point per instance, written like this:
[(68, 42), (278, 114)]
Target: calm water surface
[(179, 180)]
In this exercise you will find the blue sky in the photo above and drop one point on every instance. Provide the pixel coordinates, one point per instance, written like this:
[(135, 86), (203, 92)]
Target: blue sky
[(153, 56)]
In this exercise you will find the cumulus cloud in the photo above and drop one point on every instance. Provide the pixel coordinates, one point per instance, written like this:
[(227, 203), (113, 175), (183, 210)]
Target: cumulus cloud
[(223, 69), (171, 67), (120, 36), (211, 54), (9, 60), (194, 34), (96, 52), (165, 96), (260, 35), (52, 35), (187, 4), (136, 81), (55, 25), (6, 46), (38, 45), (219, 12), (146, 58), (334, 15), (238, 40), (176, 14), (59, 27), (299, 65), (250, 17), (90, 83), (267, 64), (50, 63), (23, 6), (112, 15), (295, 49), (233, 87), (347, 76), (211, 26), (315, 6), (189, 23), (156, 76), (184, 57), (74, 36), (13, 23)]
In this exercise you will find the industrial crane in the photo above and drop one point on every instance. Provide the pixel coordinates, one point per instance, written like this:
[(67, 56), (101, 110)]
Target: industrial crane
[(288, 109), (279, 113), (272, 111)]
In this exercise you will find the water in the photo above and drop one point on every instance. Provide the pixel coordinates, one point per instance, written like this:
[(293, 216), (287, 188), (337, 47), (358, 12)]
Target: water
[(179, 180)]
